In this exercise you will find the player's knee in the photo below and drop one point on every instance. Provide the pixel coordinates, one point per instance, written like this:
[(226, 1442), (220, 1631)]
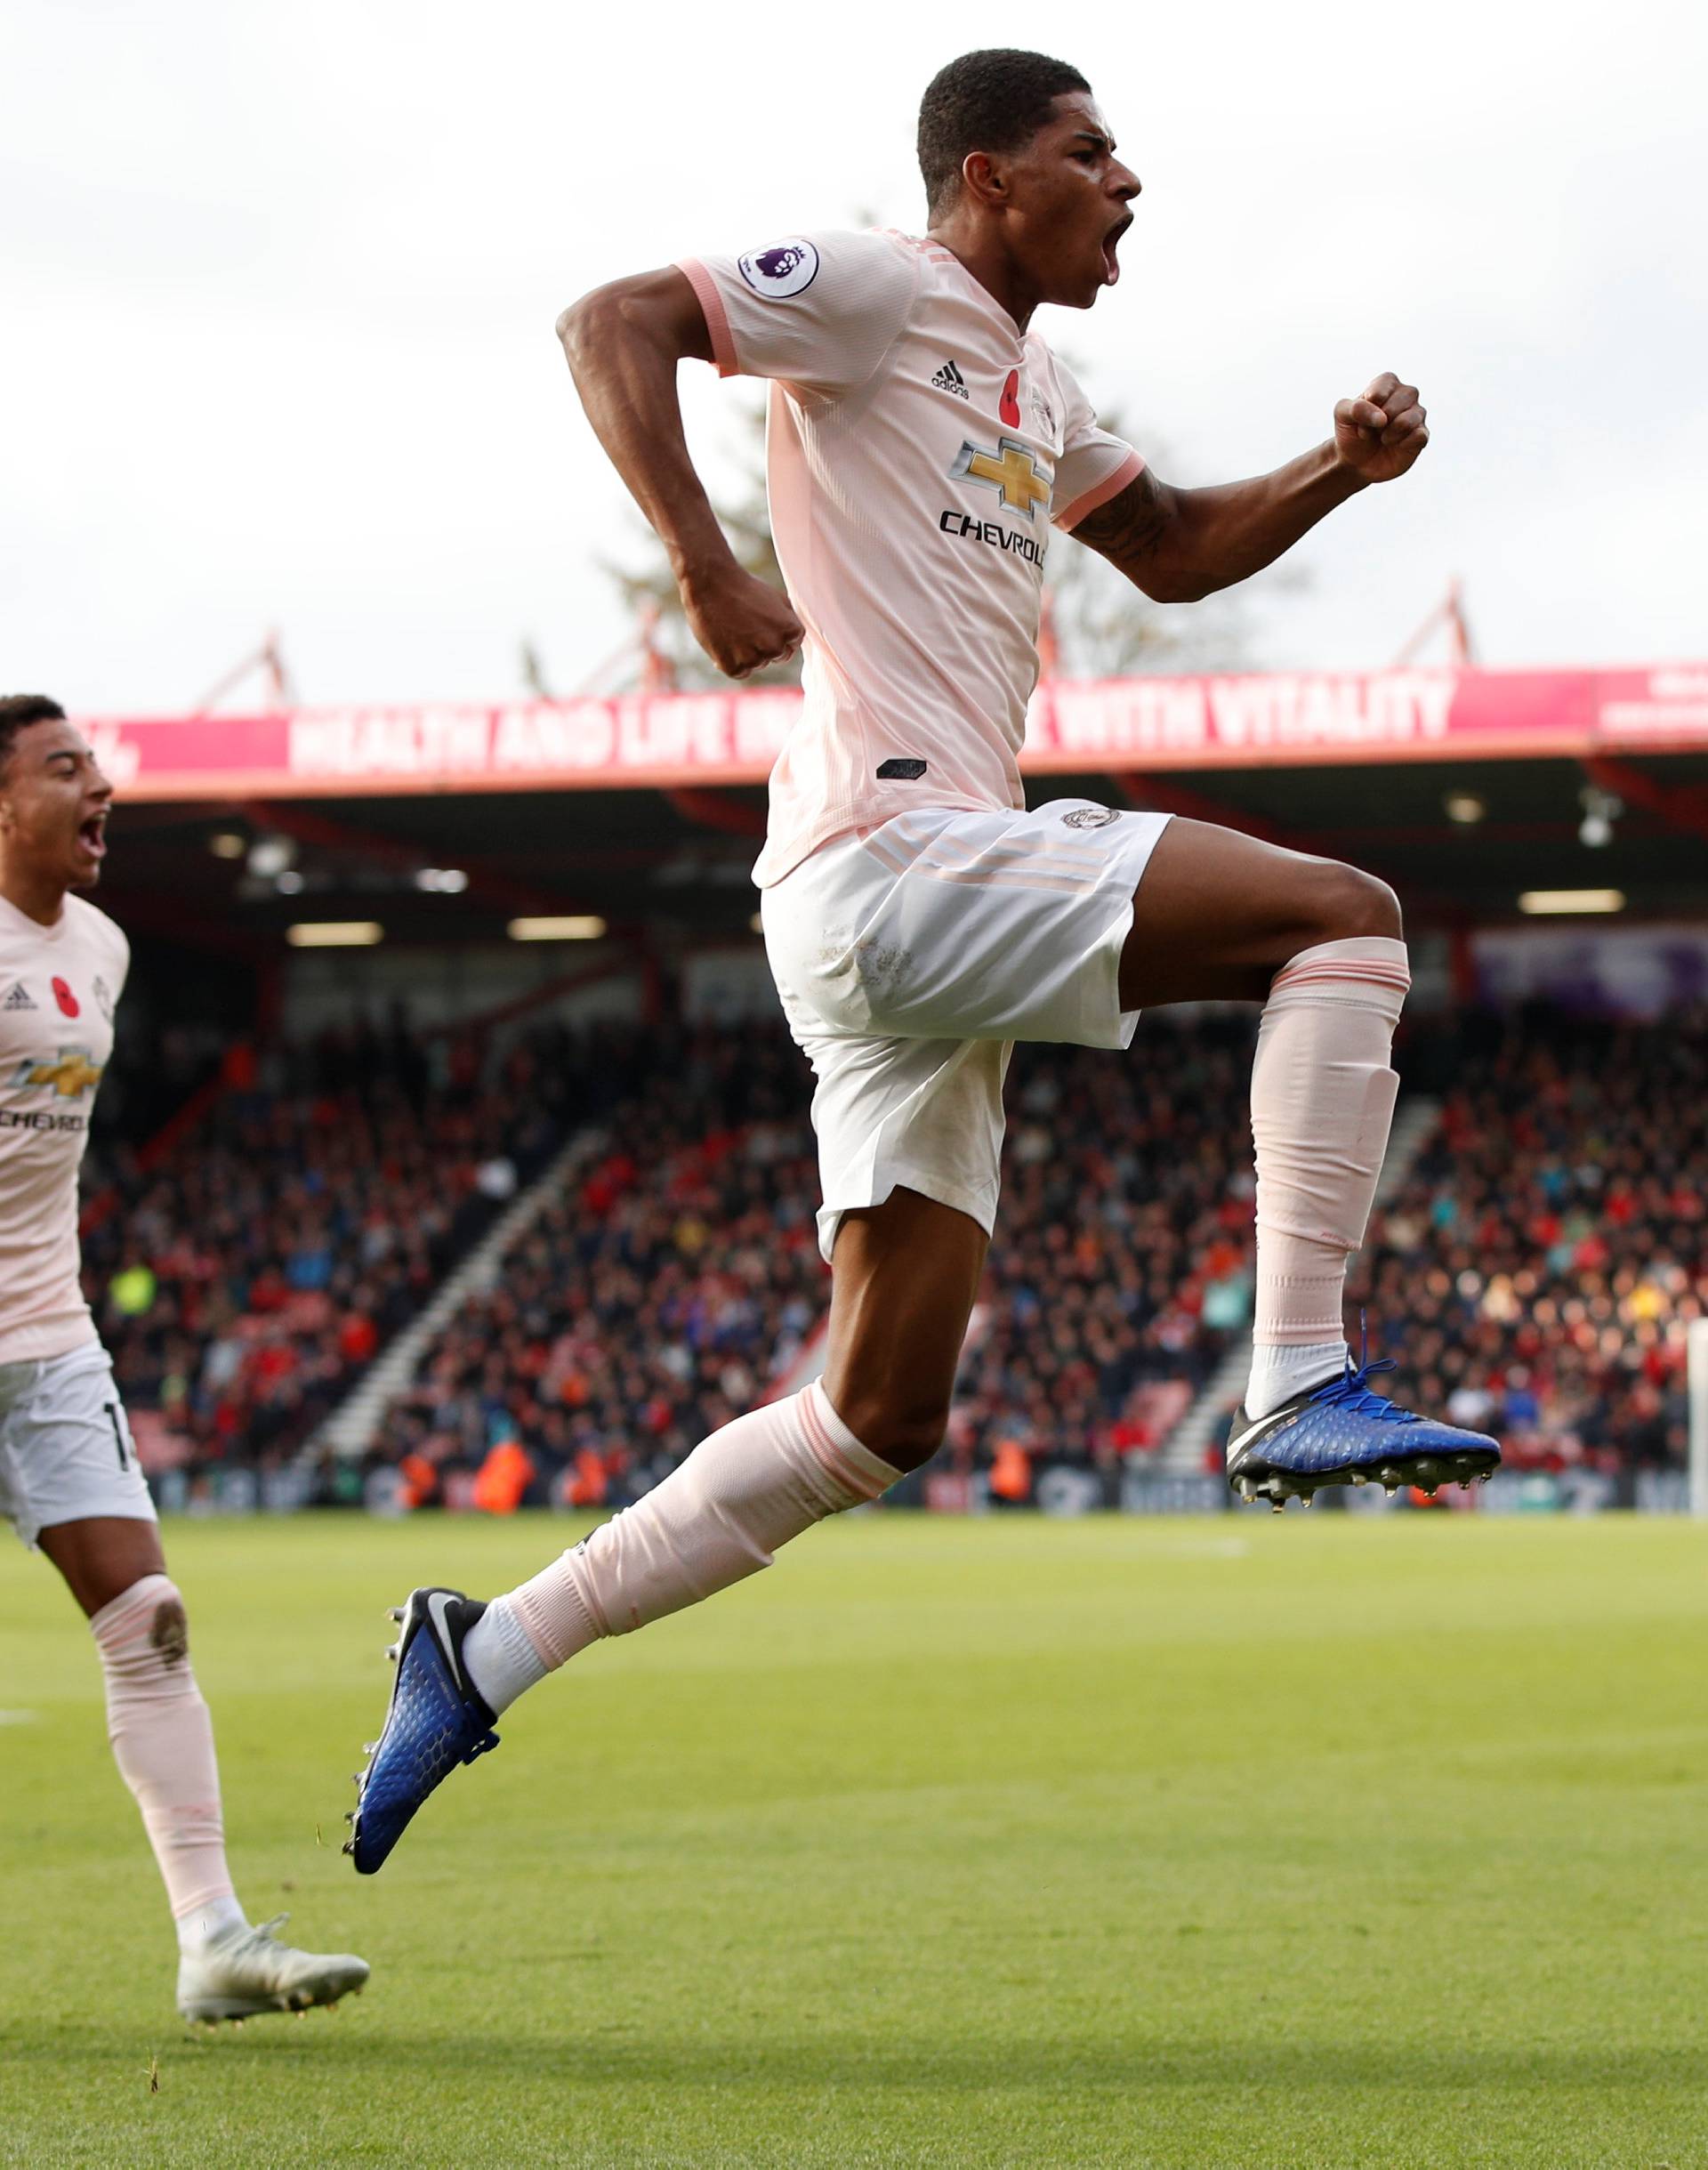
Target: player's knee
[(170, 1632), (904, 1433), (909, 1444), (1347, 902)]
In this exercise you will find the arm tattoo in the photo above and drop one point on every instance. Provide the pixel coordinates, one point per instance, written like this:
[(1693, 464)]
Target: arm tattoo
[(1131, 527)]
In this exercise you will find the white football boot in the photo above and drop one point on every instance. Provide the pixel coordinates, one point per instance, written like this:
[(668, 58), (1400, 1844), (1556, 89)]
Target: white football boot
[(248, 1971)]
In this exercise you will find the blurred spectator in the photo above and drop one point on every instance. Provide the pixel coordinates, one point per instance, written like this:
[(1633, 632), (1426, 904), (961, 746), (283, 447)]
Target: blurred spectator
[(655, 1299), (244, 1280), (683, 1277), (1538, 1272), (1534, 1275)]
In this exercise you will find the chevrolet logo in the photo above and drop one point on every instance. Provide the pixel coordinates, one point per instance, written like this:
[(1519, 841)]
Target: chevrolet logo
[(1012, 471), (71, 1076)]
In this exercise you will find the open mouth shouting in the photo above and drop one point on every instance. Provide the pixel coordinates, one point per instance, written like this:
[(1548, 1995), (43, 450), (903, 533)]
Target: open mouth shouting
[(1111, 242), (92, 836)]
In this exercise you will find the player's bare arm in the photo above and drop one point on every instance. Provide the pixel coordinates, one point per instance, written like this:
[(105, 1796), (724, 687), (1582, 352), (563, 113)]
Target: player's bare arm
[(623, 342), (1178, 545)]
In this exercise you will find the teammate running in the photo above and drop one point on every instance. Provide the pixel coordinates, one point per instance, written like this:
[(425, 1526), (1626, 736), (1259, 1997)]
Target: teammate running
[(923, 442), (68, 1478)]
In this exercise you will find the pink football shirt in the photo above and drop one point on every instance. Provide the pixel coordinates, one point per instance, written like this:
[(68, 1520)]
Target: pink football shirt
[(59, 987), (920, 448)]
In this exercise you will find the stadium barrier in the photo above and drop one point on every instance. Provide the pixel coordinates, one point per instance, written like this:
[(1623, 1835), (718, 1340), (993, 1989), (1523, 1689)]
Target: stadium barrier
[(1060, 1490)]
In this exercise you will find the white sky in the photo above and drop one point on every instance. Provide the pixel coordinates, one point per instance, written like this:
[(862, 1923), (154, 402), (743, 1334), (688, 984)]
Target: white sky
[(278, 285)]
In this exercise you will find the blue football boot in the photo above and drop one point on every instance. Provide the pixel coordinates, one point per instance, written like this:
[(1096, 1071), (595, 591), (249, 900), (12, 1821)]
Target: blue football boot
[(435, 1722), (1344, 1433)]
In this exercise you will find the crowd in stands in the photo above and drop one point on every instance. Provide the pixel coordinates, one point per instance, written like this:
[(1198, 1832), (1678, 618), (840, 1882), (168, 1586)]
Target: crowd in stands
[(1537, 1273), (1534, 1276), (1123, 1259), (244, 1277), (681, 1275), (650, 1303)]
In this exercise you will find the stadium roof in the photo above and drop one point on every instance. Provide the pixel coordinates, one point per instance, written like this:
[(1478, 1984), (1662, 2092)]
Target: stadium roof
[(1464, 788)]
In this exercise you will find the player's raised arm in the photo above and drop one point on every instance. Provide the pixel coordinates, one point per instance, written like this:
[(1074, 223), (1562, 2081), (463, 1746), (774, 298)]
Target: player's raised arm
[(1178, 545), (623, 342)]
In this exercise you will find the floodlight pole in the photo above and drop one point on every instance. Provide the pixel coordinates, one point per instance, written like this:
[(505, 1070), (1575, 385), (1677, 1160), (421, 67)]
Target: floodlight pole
[(1697, 1375), (1448, 614), (269, 658)]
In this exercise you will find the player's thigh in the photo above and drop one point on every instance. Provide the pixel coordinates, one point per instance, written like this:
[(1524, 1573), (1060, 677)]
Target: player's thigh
[(70, 1480), (902, 1114), (1217, 914), (907, 1274), (100, 1556)]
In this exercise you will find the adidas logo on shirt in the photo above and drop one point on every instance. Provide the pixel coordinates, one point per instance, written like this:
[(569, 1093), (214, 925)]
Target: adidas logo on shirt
[(19, 998), (949, 378)]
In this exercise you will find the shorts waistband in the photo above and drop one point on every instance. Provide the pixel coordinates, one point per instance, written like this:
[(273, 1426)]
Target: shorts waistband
[(28, 1370)]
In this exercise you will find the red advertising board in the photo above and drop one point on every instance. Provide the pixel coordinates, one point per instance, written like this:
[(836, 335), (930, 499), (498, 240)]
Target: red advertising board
[(732, 736)]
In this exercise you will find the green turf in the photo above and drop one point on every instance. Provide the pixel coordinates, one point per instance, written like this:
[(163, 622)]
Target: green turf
[(1007, 1842)]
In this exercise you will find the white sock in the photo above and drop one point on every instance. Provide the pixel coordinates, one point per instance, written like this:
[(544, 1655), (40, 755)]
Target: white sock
[(501, 1659), (748, 1488), (163, 1740), (212, 1920), (1278, 1373), (1321, 1104)]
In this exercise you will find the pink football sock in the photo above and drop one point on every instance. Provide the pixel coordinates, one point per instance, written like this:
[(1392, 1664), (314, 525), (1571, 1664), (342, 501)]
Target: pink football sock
[(1322, 1105), (748, 1488), (162, 1742)]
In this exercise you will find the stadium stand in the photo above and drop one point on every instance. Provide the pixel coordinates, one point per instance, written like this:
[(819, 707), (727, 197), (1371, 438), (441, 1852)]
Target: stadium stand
[(1535, 1272), (684, 1275), (244, 1277), (648, 1306), (1551, 1246)]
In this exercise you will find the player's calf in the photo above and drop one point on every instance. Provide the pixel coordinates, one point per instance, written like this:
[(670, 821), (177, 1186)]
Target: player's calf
[(163, 1739), (751, 1487)]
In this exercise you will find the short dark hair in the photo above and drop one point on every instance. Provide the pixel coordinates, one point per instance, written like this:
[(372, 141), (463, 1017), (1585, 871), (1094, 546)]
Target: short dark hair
[(16, 710), (988, 101)]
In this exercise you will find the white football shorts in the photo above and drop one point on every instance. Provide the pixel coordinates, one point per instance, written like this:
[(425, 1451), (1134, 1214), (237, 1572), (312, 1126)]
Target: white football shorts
[(911, 957), (66, 1451)]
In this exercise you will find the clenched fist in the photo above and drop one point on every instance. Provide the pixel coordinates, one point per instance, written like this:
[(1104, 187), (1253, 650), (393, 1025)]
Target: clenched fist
[(743, 623), (1381, 433)]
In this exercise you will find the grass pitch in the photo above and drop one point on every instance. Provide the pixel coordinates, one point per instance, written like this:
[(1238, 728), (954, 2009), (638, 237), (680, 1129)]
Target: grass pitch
[(1131, 1842)]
